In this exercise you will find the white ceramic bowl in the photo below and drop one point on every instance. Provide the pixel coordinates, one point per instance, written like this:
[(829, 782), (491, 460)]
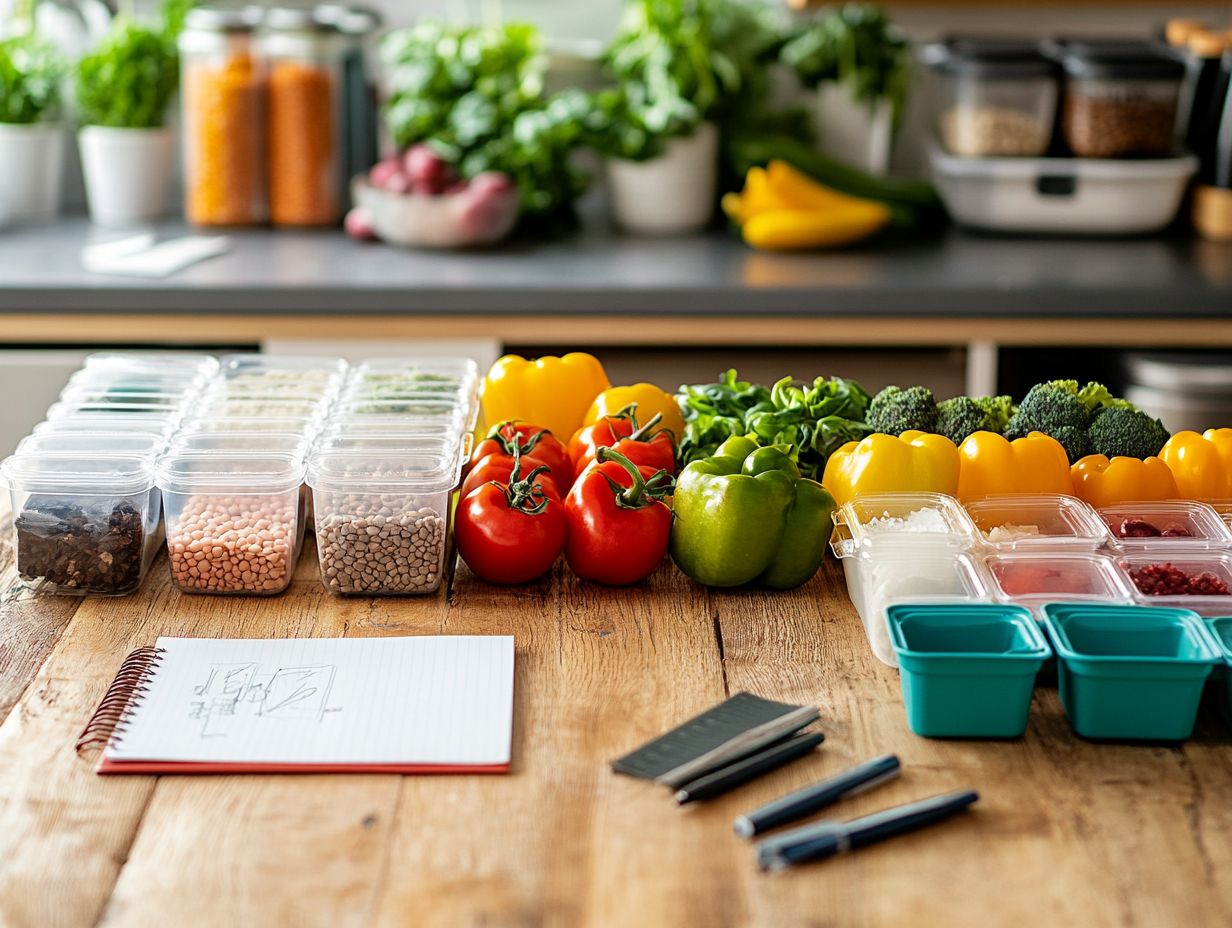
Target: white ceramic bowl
[(450, 220)]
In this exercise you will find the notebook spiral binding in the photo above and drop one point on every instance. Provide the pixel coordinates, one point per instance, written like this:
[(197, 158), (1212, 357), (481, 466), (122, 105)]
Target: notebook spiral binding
[(106, 725)]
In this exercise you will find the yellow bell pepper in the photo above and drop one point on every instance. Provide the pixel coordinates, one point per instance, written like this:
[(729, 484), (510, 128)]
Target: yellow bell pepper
[(1201, 464), (650, 401), (912, 462), (991, 465), (1102, 482), (550, 392)]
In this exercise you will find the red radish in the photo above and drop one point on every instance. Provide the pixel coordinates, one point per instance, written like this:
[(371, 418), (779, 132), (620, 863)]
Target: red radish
[(429, 171), (358, 225), (380, 173), (491, 184)]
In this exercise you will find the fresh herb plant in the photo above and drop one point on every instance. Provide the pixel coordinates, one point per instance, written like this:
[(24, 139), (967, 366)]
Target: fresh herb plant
[(30, 73), (475, 94)]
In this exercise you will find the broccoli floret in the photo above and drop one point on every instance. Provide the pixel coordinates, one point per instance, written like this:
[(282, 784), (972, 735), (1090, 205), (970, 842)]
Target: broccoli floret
[(895, 411), (962, 415), (1076, 442), (1049, 407), (1096, 398), (1118, 431)]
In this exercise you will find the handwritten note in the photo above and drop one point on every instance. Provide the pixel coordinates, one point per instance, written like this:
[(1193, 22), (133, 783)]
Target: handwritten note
[(413, 700)]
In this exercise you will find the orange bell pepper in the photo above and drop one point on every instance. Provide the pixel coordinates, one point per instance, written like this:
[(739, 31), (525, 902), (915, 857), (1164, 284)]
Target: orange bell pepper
[(990, 465), (912, 462), (553, 393), (1201, 464), (650, 400), (1102, 482)]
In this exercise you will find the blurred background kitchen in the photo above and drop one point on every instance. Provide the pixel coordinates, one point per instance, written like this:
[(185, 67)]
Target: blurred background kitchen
[(158, 141)]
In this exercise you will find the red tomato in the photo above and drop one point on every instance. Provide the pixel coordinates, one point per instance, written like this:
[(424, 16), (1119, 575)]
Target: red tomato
[(644, 445), (532, 441), (499, 467), (509, 534), (617, 534)]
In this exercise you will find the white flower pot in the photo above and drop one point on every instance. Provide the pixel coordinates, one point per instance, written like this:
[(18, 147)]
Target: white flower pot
[(127, 173), (671, 194), (854, 132), (31, 171)]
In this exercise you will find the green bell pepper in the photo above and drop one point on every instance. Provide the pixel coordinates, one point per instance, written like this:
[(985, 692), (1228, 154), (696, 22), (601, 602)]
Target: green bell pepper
[(746, 515)]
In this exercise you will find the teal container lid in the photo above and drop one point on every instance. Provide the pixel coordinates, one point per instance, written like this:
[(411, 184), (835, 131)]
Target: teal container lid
[(1141, 635), (965, 632)]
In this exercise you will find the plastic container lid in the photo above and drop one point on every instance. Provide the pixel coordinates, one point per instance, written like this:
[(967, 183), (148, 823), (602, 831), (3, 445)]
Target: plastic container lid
[(1024, 523), (896, 519), (310, 367), (1038, 577), (83, 442), (988, 58), (79, 474), (1121, 61), (190, 363), (464, 369), (84, 394), (1137, 634), (1201, 523), (424, 410), (224, 424), (241, 441), (282, 408), (171, 383), (382, 472), (232, 473), (445, 447), (107, 422)]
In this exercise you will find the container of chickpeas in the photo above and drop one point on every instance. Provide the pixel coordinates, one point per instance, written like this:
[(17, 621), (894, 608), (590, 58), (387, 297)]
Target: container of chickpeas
[(304, 117), (382, 517), (233, 519)]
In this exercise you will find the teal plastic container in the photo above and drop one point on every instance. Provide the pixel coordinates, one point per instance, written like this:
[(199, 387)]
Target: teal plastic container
[(1130, 673), (968, 669), (1221, 630)]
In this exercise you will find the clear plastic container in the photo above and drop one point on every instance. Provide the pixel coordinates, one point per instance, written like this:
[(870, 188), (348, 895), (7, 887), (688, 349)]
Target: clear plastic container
[(225, 407), (166, 364), (123, 397), (223, 424), (924, 521), (317, 368), (1165, 526), (103, 418), (382, 520), (146, 444), (305, 116), (223, 86), (107, 422), (83, 522), (999, 97), (1224, 508), (878, 577), (432, 407), (1204, 573), (243, 441), (377, 370), (222, 392), (441, 447), (1034, 578), (1028, 523), (234, 520), (1120, 99), (174, 383)]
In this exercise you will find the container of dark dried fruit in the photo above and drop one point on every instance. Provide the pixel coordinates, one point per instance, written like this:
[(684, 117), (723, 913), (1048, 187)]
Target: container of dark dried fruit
[(1120, 99), (382, 518), (83, 522), (1196, 580), (1164, 526)]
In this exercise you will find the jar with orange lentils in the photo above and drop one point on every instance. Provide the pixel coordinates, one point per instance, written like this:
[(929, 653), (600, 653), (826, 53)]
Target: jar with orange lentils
[(223, 88), (304, 117)]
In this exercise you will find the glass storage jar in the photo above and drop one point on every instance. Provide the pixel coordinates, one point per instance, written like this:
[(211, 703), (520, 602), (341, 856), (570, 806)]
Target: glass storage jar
[(305, 104), (223, 86)]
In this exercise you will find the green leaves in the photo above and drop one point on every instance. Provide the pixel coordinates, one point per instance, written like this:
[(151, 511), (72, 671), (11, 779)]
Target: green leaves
[(476, 95), (30, 73)]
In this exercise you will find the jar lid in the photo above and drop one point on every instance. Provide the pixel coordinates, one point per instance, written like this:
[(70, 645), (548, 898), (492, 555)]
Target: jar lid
[(1121, 60), (349, 19), (294, 19), (988, 57), (224, 17)]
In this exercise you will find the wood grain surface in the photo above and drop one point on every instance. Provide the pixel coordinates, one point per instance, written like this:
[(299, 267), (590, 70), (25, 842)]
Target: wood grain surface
[(1067, 832)]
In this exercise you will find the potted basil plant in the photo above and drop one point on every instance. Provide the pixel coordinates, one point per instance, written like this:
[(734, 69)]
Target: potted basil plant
[(124, 87), (31, 137), (858, 65), (657, 125)]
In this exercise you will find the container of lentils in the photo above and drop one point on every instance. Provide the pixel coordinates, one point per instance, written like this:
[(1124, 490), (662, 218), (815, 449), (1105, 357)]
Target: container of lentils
[(998, 97), (1120, 99), (382, 519), (234, 521), (83, 522)]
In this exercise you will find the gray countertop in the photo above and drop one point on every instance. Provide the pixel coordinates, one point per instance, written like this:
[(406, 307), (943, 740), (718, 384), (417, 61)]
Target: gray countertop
[(596, 271)]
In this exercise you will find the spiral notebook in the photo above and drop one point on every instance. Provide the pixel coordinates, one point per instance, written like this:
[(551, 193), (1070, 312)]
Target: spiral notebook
[(423, 704)]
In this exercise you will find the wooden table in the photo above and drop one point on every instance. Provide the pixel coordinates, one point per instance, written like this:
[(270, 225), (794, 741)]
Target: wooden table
[(1066, 832)]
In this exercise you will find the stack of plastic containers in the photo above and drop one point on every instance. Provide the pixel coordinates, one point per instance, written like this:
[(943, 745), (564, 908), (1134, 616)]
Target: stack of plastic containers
[(84, 500), (383, 472), (232, 477)]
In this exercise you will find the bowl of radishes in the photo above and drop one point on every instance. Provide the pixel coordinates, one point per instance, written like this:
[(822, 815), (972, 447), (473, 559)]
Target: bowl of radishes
[(418, 199)]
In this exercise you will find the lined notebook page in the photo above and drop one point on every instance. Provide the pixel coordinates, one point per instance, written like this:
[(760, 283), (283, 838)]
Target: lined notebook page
[(412, 700)]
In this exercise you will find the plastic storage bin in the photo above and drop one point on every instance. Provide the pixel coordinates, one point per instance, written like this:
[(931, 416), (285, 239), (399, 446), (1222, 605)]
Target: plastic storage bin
[(1037, 577), (83, 522), (968, 670), (1197, 580), (1064, 196), (998, 97), (382, 520), (1029, 523), (138, 425), (1166, 526), (304, 368), (140, 443), (922, 521), (1133, 675), (1120, 99), (233, 520), (171, 363)]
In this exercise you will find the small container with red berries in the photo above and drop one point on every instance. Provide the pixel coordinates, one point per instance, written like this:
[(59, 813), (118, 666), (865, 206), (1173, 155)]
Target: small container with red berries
[(1166, 525), (1201, 581)]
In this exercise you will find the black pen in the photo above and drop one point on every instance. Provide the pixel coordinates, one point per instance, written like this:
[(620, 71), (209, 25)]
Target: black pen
[(748, 768), (817, 842), (804, 802)]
